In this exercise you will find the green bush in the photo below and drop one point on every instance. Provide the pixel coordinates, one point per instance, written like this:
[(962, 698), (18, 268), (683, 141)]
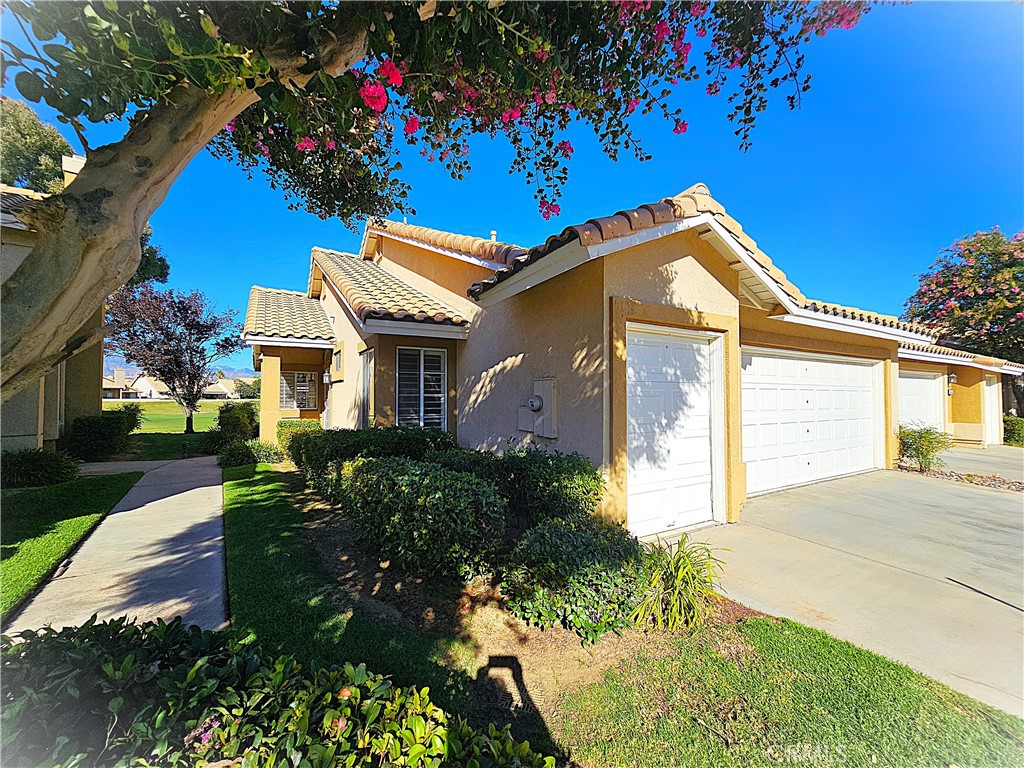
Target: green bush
[(33, 466), (133, 415), (1013, 430), (424, 517), (240, 453), (583, 575), (542, 485), (90, 438), (121, 693), (236, 423), (679, 582), (920, 447), (288, 428), (483, 464), (318, 453)]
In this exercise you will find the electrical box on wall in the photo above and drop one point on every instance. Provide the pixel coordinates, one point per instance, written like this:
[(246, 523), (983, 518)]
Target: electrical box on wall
[(540, 414)]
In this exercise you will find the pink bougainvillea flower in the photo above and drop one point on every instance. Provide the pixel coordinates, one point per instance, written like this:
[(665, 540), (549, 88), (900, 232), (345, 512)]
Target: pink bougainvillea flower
[(374, 95), (633, 104), (661, 32), (391, 73), (541, 55), (330, 144), (511, 115), (549, 209), (412, 125), (681, 127), (565, 148), (305, 144), (230, 127)]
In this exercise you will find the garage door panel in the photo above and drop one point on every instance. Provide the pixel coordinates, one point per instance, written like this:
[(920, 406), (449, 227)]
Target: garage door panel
[(812, 418), (921, 399), (669, 475)]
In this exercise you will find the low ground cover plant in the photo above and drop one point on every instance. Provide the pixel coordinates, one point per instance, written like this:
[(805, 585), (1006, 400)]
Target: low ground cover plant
[(242, 452), (120, 693), (920, 447), (1013, 430), (91, 438), (31, 467)]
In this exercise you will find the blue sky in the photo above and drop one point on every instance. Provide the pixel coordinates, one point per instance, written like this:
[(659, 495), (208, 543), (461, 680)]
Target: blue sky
[(912, 135)]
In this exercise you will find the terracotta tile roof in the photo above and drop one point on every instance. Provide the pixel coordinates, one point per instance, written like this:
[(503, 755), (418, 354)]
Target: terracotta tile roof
[(936, 349), (488, 250), (14, 200), (694, 201), (373, 293), (289, 314)]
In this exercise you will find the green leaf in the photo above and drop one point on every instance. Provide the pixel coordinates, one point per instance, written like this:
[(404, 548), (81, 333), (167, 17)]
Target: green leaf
[(30, 85)]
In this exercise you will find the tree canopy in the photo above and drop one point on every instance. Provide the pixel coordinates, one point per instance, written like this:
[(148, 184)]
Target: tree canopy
[(314, 94), (30, 150), (153, 264), (974, 295)]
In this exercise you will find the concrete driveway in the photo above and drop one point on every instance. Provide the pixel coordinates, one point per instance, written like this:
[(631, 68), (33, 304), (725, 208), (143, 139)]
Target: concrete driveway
[(1003, 460), (925, 571)]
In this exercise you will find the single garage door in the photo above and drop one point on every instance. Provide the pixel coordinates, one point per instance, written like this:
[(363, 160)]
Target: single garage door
[(669, 403), (806, 418), (922, 399)]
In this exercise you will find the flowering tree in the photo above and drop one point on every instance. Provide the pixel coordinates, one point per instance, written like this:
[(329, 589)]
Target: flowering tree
[(174, 336), (314, 94), (974, 295)]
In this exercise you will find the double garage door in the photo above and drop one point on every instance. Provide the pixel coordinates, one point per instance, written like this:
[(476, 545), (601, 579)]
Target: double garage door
[(807, 418)]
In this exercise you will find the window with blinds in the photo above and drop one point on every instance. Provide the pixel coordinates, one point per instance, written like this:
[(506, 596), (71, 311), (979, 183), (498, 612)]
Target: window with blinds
[(298, 390), (422, 388)]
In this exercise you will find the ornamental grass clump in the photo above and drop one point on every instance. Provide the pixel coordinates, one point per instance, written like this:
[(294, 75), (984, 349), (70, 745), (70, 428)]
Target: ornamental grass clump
[(679, 583)]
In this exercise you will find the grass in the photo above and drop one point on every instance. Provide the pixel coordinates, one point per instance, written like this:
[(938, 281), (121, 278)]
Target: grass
[(762, 692), (163, 430), (40, 526), (278, 591)]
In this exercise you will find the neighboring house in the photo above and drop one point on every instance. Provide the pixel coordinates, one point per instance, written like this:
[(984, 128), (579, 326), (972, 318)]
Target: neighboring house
[(38, 415), (150, 387), (659, 341), (116, 388), (226, 389)]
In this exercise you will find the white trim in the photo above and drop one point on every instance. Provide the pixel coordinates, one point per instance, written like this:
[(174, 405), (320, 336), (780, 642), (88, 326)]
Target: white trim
[(469, 258), (646, 235), (849, 325), (406, 328), (286, 341), (938, 357), (716, 385), (444, 382), (554, 264)]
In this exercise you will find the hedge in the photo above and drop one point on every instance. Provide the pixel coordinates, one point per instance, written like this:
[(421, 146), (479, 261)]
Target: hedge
[(1013, 430), (241, 453), (426, 518), (288, 428), (121, 693), (95, 437), (316, 453)]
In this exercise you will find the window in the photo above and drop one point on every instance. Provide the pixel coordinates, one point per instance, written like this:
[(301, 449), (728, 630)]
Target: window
[(422, 388), (298, 390), (337, 360), (366, 412)]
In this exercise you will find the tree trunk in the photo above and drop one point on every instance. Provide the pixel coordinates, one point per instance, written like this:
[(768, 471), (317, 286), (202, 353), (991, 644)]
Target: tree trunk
[(190, 428), (88, 241)]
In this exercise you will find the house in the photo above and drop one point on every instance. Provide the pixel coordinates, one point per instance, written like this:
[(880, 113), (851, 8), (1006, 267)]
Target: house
[(226, 389), (116, 388), (150, 387), (659, 341), (36, 416)]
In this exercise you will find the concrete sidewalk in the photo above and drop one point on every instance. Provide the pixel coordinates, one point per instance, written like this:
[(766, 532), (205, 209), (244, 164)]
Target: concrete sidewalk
[(1003, 460), (158, 554)]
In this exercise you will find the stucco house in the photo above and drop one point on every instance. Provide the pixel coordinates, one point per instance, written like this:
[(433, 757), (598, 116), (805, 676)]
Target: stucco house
[(659, 341), (150, 387), (116, 387), (37, 415)]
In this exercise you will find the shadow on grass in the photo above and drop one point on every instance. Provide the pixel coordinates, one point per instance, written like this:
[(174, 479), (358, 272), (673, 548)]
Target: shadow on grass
[(278, 590), (156, 446)]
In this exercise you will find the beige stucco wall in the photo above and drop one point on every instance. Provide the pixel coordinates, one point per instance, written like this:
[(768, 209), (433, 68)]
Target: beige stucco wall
[(345, 384), (83, 373), (21, 423), (274, 360)]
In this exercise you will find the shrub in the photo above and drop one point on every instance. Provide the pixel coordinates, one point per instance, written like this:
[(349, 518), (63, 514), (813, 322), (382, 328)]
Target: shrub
[(920, 446), (288, 428), (318, 453), (679, 582), (542, 485), (583, 575), (95, 437), (483, 464), (121, 693), (236, 423), (1013, 430), (33, 466), (133, 415), (240, 453), (426, 518)]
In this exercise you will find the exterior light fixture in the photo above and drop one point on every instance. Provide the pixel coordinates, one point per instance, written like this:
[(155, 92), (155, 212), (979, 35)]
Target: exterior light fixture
[(952, 378)]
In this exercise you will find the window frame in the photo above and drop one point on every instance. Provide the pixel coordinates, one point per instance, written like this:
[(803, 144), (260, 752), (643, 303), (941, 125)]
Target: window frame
[(444, 382), (313, 393)]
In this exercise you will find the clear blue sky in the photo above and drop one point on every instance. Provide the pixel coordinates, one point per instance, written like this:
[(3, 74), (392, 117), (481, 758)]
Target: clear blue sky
[(912, 135)]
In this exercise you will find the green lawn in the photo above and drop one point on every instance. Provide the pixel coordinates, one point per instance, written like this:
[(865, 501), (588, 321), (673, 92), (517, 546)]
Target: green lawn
[(163, 431), (40, 526), (762, 692)]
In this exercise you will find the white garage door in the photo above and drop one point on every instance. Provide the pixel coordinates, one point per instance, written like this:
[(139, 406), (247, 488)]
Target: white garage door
[(806, 418), (922, 399), (669, 431)]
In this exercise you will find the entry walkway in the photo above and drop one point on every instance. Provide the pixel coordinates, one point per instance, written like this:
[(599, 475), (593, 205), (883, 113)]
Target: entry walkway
[(158, 554)]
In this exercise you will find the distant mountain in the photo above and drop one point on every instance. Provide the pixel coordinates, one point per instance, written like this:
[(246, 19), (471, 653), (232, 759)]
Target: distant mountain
[(110, 362)]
